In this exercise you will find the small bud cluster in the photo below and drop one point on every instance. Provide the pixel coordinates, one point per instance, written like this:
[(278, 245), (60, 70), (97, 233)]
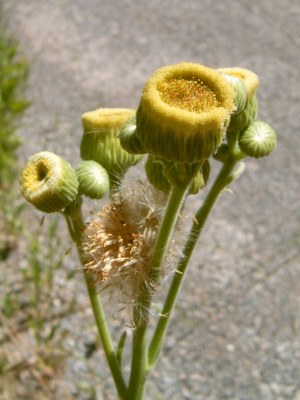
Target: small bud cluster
[(254, 138)]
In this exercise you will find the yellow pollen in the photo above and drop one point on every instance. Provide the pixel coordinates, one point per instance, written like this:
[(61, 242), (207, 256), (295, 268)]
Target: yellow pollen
[(37, 173), (190, 95)]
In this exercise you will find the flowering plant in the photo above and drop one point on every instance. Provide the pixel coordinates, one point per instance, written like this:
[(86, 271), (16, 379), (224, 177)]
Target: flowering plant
[(188, 114)]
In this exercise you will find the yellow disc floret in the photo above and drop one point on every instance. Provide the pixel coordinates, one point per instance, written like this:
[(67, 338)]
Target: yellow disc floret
[(35, 175), (190, 95)]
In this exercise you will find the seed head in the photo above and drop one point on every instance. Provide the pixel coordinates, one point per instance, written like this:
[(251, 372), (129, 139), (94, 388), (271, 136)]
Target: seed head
[(118, 243)]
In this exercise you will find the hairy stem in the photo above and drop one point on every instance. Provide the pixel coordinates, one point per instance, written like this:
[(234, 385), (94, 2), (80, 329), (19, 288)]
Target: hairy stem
[(139, 366), (176, 199), (75, 223), (222, 180)]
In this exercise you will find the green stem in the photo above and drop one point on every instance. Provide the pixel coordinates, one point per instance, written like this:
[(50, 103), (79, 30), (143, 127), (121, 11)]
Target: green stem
[(105, 338), (139, 366), (176, 199), (75, 223), (222, 180), (120, 347)]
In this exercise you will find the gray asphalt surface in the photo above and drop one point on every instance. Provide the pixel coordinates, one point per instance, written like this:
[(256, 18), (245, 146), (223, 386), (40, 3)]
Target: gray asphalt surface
[(236, 331)]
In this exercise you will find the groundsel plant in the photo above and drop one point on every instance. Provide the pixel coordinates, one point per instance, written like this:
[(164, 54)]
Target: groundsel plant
[(187, 115)]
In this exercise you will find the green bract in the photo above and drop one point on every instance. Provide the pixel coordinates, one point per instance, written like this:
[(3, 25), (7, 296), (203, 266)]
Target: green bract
[(155, 174)]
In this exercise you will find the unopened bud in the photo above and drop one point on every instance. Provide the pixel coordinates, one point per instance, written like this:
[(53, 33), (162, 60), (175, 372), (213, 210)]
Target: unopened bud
[(257, 140), (240, 120), (93, 179)]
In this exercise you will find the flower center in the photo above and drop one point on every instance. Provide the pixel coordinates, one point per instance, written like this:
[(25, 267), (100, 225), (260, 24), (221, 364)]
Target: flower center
[(190, 95), (42, 170), (37, 173)]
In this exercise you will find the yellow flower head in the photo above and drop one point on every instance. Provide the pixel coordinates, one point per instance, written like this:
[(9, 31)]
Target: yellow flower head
[(48, 182), (100, 141), (105, 118), (183, 112)]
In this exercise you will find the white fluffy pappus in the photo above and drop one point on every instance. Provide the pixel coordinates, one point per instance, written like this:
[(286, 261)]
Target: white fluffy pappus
[(118, 243)]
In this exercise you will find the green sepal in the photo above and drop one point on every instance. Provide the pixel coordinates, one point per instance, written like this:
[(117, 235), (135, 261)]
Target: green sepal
[(222, 153), (179, 175), (155, 174)]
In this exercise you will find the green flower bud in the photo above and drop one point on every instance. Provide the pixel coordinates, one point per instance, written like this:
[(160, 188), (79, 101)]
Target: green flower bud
[(240, 91), (257, 140), (100, 141), (128, 138), (48, 182), (182, 113), (240, 120), (93, 179), (249, 78)]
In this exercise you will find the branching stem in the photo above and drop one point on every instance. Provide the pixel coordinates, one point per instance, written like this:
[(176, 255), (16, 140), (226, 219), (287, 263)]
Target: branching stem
[(139, 366), (75, 223), (222, 180)]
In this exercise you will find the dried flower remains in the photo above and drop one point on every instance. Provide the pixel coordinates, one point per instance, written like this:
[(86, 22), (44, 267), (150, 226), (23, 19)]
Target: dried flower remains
[(118, 243)]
